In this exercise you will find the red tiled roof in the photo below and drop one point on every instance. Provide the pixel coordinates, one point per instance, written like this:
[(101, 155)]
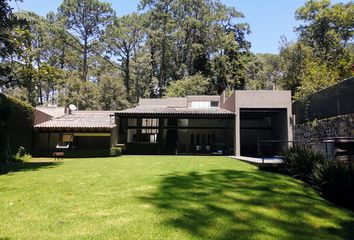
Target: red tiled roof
[(81, 120)]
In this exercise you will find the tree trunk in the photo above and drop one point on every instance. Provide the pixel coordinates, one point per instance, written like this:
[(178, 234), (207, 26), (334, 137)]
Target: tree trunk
[(153, 68), (62, 58), (39, 81), (84, 65), (127, 73), (163, 57), (163, 66)]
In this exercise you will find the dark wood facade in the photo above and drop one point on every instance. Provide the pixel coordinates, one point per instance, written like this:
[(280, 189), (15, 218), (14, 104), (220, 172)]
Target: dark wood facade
[(172, 134)]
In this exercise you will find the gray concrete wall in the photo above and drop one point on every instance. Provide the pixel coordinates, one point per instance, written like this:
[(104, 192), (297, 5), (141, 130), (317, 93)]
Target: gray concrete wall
[(260, 99), (228, 103), (41, 117)]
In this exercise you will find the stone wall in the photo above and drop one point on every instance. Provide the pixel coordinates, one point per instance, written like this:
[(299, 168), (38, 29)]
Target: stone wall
[(340, 126)]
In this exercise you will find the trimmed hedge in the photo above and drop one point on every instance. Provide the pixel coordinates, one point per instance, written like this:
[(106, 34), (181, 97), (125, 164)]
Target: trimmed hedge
[(16, 125)]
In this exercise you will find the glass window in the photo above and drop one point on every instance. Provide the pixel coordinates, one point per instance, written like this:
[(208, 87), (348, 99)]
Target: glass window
[(214, 104), (131, 136), (153, 138), (200, 104), (150, 122), (142, 136), (132, 122), (183, 122), (150, 130), (204, 104)]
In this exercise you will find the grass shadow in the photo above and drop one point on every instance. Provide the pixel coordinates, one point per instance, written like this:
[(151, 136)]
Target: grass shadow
[(231, 204), (25, 166)]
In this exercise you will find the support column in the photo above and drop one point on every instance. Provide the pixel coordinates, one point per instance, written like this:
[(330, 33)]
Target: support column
[(160, 134), (237, 133)]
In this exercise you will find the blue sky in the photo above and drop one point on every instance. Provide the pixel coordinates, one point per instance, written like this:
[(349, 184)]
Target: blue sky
[(269, 19)]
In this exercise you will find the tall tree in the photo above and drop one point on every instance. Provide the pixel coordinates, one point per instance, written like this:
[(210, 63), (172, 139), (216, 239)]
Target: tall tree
[(86, 19), (321, 56), (160, 25), (188, 37), (10, 42), (123, 39), (327, 29), (192, 85), (263, 71), (112, 93)]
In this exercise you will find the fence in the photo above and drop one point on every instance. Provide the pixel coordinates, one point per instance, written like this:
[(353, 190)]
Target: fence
[(341, 149), (330, 102)]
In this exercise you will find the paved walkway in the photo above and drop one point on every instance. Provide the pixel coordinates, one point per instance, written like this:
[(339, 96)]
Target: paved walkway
[(259, 161)]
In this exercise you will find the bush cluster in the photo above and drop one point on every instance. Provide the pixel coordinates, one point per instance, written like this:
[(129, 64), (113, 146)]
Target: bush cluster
[(22, 155), (300, 161), (116, 151), (333, 179)]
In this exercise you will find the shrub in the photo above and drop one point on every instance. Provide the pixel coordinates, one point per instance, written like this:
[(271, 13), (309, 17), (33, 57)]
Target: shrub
[(116, 151), (335, 180), (300, 161), (22, 155), (21, 152)]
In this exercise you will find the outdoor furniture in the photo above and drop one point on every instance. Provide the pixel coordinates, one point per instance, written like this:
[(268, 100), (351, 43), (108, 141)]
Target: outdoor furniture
[(198, 149), (58, 155), (344, 149)]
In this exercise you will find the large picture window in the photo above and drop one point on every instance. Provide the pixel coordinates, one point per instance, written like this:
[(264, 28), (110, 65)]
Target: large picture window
[(143, 130)]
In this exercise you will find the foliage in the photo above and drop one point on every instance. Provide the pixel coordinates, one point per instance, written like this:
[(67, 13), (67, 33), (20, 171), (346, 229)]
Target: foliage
[(189, 37), (193, 85), (116, 151), (83, 94), (22, 155), (10, 43), (21, 152), (263, 71), (327, 28), (112, 93), (164, 42), (300, 161), (317, 76), (61, 58), (85, 21), (16, 121), (335, 180), (322, 55), (123, 39)]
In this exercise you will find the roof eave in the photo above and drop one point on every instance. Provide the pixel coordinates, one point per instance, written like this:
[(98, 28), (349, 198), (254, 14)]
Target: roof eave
[(181, 115)]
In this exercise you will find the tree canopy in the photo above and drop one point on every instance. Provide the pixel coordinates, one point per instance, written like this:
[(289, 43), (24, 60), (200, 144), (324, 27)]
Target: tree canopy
[(84, 54)]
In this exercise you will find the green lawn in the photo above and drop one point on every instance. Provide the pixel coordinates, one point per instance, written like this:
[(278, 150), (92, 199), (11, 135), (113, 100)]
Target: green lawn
[(162, 197)]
